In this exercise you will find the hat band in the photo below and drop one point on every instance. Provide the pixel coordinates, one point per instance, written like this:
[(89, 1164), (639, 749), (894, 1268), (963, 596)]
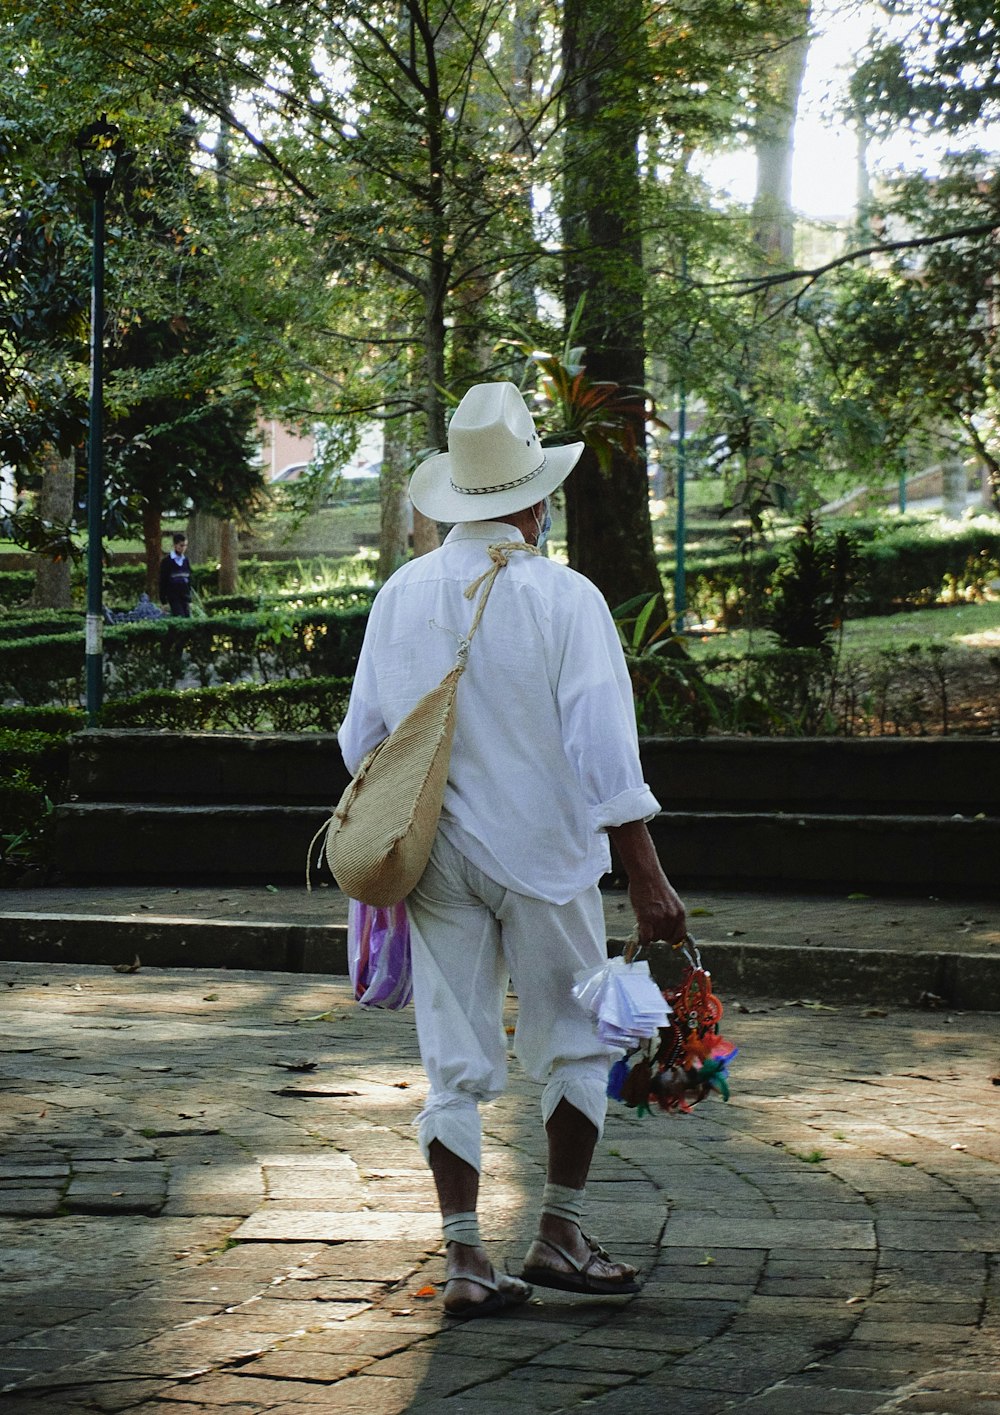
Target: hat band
[(500, 486)]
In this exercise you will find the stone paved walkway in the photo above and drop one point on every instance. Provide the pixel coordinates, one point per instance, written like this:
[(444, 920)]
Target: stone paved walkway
[(212, 1201)]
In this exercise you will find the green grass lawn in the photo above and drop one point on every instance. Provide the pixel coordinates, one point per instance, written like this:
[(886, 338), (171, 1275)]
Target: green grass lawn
[(975, 626)]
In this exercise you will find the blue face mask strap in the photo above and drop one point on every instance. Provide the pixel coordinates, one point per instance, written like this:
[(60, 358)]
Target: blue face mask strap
[(543, 526)]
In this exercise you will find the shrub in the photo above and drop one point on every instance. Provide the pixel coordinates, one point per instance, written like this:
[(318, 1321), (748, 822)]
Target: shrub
[(810, 587), (34, 766)]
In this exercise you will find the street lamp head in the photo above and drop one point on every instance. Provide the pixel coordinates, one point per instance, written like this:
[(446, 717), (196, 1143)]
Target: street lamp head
[(100, 149)]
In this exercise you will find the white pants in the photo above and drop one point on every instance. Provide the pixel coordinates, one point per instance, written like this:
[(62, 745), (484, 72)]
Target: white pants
[(470, 936)]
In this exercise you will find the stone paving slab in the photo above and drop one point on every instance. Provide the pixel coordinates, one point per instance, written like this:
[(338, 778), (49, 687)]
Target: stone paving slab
[(189, 1227)]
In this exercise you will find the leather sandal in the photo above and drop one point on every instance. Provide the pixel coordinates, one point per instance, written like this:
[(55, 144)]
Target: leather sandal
[(581, 1278), (504, 1292)]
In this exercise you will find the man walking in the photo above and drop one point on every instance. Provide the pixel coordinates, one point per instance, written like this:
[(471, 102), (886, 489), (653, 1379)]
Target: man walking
[(175, 578), (544, 769)]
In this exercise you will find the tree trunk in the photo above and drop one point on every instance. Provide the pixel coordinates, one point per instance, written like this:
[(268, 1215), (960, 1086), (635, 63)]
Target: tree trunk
[(525, 44), (55, 504), (152, 540), (774, 141), (229, 558), (394, 530), (204, 533), (609, 533)]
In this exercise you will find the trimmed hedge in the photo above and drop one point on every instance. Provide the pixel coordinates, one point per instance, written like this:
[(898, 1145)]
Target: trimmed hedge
[(39, 623), (163, 652), (289, 705), (57, 720), (911, 568), (15, 587)]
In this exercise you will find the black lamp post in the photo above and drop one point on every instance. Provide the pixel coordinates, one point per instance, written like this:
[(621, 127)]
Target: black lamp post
[(100, 150)]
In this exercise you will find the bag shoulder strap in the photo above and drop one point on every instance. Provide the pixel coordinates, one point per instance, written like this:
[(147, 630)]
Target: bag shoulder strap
[(500, 553)]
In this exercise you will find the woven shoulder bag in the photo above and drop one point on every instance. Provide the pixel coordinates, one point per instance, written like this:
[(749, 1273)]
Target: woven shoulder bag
[(379, 838)]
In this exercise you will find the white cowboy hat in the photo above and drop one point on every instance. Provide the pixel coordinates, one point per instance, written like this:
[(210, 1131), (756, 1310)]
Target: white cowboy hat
[(494, 464)]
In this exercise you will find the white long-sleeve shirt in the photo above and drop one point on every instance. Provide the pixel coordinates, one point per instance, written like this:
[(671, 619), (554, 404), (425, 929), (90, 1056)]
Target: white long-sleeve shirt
[(546, 754)]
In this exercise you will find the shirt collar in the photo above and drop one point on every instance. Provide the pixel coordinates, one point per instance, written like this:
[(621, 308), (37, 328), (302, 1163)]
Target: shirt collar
[(488, 531)]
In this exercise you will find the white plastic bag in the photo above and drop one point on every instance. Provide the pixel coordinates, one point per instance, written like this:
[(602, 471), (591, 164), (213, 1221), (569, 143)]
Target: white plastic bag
[(624, 998)]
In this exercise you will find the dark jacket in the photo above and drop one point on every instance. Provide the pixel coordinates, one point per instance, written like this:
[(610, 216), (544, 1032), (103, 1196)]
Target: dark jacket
[(175, 580)]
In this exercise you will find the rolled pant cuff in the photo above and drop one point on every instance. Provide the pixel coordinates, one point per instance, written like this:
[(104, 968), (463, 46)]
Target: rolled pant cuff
[(583, 1087), (454, 1122)]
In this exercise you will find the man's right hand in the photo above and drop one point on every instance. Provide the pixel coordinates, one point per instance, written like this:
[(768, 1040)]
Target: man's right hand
[(659, 910)]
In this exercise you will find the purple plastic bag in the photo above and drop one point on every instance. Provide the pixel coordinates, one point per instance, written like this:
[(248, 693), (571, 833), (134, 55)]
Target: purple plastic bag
[(378, 954)]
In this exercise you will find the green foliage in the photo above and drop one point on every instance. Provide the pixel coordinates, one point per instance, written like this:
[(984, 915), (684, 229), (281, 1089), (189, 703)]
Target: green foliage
[(33, 772), (939, 65), (670, 695)]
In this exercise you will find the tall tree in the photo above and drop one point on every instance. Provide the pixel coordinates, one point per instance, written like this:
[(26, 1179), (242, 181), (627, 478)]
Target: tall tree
[(779, 84), (604, 56)]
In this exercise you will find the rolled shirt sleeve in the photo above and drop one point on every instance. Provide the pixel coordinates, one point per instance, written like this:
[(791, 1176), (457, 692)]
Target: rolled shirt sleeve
[(596, 708)]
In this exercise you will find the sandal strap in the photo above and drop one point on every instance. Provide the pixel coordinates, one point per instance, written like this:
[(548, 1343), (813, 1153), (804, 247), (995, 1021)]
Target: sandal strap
[(595, 1247), (597, 1253), (463, 1276), (574, 1262)]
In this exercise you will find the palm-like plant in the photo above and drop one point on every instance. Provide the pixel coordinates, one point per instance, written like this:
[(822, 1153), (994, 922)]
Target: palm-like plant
[(607, 416)]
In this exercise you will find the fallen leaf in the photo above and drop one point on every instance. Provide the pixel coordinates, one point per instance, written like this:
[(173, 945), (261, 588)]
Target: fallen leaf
[(706, 1262), (852, 1300), (700, 913), (874, 1012), (132, 967), (959, 1147), (315, 1092), (271, 888), (296, 1065), (401, 1085), (813, 1006), (858, 895), (930, 999), (428, 1291), (118, 1193), (211, 997), (735, 933)]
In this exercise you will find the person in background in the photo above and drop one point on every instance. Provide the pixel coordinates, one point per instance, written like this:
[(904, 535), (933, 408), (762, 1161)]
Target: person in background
[(544, 773), (175, 578)]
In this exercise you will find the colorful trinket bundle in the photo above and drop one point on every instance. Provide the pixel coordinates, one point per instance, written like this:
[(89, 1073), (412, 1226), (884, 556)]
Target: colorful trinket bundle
[(687, 1059)]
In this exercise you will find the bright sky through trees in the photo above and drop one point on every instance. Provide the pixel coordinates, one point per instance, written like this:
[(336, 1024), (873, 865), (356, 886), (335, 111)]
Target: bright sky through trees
[(824, 177)]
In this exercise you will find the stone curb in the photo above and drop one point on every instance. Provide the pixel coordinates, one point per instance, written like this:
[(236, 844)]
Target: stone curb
[(967, 981)]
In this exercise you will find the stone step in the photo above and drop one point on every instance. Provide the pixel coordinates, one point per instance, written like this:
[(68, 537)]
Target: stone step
[(749, 849), (871, 776)]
